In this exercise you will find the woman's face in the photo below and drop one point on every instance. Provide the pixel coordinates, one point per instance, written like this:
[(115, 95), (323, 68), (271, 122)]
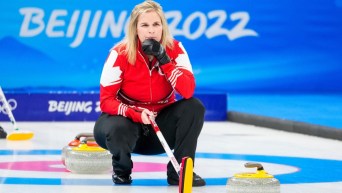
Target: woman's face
[(149, 26)]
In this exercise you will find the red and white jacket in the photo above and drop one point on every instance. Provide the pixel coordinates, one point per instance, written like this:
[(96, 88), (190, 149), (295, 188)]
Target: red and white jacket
[(152, 89)]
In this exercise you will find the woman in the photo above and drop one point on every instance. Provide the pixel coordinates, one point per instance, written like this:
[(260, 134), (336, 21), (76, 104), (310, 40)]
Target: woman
[(139, 79)]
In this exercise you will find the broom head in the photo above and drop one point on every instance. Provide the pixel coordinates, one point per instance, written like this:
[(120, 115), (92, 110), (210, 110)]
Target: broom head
[(20, 135)]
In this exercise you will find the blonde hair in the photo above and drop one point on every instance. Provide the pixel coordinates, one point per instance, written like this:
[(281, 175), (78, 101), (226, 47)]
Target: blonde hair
[(131, 38)]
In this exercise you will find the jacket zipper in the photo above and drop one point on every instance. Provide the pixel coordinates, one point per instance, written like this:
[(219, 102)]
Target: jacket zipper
[(151, 84), (150, 71)]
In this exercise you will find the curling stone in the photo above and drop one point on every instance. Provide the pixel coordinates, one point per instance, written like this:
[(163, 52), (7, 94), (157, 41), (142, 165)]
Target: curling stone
[(87, 157), (76, 142), (258, 182)]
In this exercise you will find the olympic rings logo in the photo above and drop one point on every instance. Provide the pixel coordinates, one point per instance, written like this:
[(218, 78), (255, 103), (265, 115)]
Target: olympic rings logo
[(11, 103)]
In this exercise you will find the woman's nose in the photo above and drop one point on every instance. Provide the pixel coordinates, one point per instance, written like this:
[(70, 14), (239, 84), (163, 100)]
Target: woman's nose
[(150, 30)]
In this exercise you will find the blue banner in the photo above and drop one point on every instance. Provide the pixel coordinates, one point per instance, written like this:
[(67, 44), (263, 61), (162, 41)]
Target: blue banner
[(85, 106), (234, 46)]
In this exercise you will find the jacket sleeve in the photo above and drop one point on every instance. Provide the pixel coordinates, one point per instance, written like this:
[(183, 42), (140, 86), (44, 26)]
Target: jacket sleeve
[(179, 72), (110, 83)]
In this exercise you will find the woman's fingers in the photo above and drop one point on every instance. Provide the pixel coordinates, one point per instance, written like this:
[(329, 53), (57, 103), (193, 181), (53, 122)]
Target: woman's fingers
[(145, 116)]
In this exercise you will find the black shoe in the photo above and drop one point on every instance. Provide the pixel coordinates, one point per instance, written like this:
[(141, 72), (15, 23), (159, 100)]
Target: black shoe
[(173, 179), (3, 133), (124, 179)]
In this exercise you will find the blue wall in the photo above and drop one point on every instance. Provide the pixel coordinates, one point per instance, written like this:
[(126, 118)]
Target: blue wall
[(234, 46)]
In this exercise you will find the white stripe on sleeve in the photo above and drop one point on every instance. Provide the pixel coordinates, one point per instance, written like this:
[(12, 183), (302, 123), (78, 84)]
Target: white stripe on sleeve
[(122, 109), (174, 75)]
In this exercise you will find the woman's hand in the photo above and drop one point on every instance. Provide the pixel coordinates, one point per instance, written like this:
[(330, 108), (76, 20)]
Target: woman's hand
[(153, 47), (144, 116)]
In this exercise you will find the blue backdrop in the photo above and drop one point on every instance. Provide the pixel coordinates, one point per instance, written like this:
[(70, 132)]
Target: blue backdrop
[(234, 46)]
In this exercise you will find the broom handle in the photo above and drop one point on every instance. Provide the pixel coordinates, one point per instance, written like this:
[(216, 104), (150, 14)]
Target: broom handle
[(8, 109), (165, 145)]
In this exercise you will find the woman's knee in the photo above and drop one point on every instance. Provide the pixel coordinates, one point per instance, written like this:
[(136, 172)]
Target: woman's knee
[(194, 105), (119, 129), (116, 130)]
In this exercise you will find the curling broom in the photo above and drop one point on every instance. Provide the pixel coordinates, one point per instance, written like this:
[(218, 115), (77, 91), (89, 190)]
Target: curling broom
[(17, 134), (185, 171)]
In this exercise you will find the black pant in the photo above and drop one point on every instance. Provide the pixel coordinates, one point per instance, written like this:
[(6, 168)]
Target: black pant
[(180, 123)]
